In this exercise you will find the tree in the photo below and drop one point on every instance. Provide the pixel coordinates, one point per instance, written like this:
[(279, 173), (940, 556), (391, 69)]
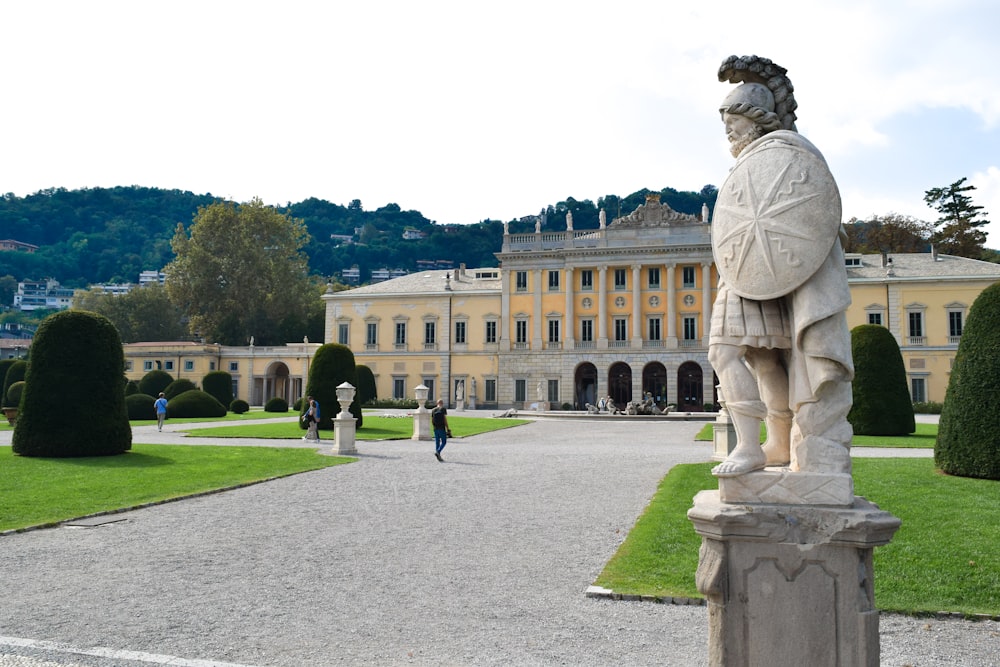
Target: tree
[(143, 314), (888, 233), (219, 384), (367, 390), (241, 272), (332, 365), (882, 404), (154, 382), (14, 373), (74, 400), (968, 441), (960, 220)]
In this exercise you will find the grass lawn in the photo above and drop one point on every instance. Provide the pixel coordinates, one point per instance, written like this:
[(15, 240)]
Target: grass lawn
[(44, 491), (923, 437), (375, 428), (943, 558)]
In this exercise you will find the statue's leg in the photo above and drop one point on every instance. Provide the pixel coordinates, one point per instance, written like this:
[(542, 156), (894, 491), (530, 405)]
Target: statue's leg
[(742, 401), (772, 379), (826, 433)]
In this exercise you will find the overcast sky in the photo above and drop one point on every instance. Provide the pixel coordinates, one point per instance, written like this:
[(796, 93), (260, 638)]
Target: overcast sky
[(468, 111)]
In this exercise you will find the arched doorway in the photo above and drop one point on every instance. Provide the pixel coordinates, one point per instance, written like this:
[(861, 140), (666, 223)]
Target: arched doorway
[(620, 383), (275, 383), (689, 388), (654, 381), (585, 383)]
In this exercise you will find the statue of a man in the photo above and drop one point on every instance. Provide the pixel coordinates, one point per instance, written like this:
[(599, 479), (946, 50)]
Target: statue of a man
[(460, 390), (779, 340)]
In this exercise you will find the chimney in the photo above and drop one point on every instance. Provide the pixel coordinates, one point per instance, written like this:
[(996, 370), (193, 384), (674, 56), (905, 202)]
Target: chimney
[(885, 258), (934, 256), (461, 271)]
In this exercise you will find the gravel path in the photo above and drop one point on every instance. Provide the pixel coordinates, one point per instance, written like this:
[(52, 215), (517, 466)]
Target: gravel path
[(394, 559)]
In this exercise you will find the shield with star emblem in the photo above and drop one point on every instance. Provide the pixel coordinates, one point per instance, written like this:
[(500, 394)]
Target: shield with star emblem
[(776, 219)]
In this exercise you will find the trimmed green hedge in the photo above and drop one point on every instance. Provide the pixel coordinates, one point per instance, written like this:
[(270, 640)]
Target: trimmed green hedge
[(140, 406), (154, 382), (239, 406), (16, 372), (332, 365), (195, 403), (968, 442), (74, 394), (220, 385), (178, 387), (881, 398), (276, 404)]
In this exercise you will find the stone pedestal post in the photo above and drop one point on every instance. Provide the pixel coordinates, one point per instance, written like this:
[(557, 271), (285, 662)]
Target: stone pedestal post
[(344, 424), (790, 584), (422, 417), (460, 405)]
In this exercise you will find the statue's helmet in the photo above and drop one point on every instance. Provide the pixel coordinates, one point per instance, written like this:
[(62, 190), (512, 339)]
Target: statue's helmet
[(755, 101)]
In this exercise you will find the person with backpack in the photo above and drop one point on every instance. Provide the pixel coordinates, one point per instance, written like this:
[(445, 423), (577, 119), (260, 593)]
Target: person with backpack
[(439, 420)]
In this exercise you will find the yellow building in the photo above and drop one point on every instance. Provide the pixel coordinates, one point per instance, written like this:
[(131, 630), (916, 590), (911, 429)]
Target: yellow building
[(622, 310), (259, 373)]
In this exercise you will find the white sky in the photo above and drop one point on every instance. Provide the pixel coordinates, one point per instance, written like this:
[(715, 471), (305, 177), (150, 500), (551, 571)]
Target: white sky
[(469, 110)]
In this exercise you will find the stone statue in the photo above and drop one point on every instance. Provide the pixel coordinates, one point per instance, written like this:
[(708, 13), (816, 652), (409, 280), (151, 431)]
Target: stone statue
[(460, 390), (538, 225), (506, 228), (474, 394), (603, 219), (569, 221), (539, 391), (779, 339)]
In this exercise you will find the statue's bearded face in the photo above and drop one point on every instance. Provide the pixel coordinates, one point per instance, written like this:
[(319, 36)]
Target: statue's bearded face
[(741, 132)]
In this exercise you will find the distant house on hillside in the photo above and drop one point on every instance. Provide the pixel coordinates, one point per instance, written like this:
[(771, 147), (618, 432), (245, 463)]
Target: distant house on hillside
[(11, 244), (412, 234), (38, 294)]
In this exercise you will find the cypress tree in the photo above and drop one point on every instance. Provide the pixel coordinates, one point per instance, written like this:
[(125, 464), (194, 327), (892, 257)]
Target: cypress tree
[(332, 365), (882, 404)]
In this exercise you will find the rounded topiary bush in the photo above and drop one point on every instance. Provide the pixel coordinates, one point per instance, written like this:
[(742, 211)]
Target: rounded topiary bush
[(367, 391), (239, 406), (297, 405), (195, 403), (882, 404), (15, 373), (276, 404), (178, 387), (14, 393), (153, 382), (5, 364), (131, 387), (968, 441), (74, 396), (140, 406), (332, 365), (220, 385)]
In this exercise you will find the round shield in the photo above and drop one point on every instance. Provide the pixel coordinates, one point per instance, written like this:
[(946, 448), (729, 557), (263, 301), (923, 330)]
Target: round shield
[(776, 219)]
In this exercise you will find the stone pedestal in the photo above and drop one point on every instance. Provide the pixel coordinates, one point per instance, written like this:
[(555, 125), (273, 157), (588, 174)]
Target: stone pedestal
[(422, 424), (723, 436), (460, 405), (790, 584), (344, 432)]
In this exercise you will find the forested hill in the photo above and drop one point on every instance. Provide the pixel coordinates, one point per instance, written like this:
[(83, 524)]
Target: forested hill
[(99, 235)]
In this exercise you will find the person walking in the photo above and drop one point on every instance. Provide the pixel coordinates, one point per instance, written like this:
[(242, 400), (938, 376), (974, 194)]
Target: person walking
[(160, 404), (439, 420), (311, 417)]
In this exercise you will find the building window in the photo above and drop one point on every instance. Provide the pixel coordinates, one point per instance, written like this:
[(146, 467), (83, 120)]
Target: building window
[(460, 333), (553, 281), (491, 391), (236, 387), (620, 279), (875, 318), (429, 383), (168, 365), (553, 391), (521, 281), (430, 332), (491, 331), (916, 327), (128, 365), (918, 390), (399, 388), (586, 280), (955, 323), (147, 365), (690, 328), (521, 332), (654, 278), (234, 366), (553, 331), (189, 365), (343, 333), (587, 331), (371, 334), (520, 390), (687, 277), (654, 328), (621, 329), (400, 334)]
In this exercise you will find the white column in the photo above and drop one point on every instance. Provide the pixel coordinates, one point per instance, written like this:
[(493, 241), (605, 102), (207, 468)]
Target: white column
[(706, 299), (637, 332), (670, 270), (602, 308)]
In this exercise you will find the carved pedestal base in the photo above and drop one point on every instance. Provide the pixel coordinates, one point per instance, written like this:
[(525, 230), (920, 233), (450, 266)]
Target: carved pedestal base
[(782, 487), (790, 585), (344, 434)]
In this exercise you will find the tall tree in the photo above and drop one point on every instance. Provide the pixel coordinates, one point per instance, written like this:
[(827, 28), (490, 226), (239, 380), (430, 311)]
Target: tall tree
[(960, 220), (888, 233), (241, 273), (143, 314)]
